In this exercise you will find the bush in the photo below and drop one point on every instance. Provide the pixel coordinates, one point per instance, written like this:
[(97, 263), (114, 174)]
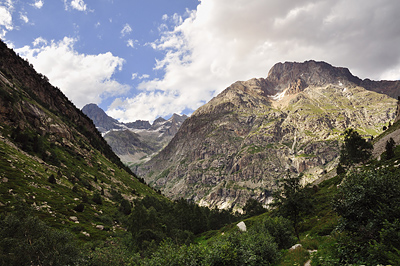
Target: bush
[(369, 204), (253, 207), (97, 198), (280, 229), (52, 179), (80, 207), (125, 207), (25, 240), (114, 253)]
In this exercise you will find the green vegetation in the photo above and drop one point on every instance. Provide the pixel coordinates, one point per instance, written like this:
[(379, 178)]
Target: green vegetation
[(369, 204), (253, 207), (26, 240), (291, 200), (355, 149), (389, 149)]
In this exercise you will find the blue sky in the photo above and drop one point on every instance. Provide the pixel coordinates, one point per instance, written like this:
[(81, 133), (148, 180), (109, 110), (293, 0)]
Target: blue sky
[(141, 59)]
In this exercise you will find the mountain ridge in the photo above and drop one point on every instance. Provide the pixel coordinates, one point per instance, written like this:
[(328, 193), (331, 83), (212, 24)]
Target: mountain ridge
[(134, 142), (238, 144)]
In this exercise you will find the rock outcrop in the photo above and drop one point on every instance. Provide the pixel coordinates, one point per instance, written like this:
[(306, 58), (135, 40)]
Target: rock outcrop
[(240, 143)]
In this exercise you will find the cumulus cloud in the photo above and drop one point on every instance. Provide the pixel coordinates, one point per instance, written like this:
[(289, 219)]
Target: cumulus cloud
[(5, 18), (78, 5), (228, 40), (75, 4), (38, 4), (83, 78)]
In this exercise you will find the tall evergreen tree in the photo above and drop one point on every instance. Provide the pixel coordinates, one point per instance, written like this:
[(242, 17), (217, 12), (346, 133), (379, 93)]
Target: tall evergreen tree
[(355, 149), (390, 144)]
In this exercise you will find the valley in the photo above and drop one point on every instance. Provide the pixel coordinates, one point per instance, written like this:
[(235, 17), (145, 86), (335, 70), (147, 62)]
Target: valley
[(81, 188)]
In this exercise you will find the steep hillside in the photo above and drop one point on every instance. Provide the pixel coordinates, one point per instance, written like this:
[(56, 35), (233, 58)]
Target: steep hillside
[(54, 159), (134, 142), (242, 141)]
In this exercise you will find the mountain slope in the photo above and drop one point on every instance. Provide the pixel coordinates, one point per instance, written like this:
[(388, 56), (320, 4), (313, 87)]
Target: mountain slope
[(242, 141), (53, 157)]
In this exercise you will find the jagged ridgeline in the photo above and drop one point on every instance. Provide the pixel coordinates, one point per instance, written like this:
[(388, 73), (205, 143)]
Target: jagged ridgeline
[(53, 157), (241, 142), (134, 142)]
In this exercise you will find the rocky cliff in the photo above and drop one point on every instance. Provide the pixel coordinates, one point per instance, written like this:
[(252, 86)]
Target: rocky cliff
[(240, 143)]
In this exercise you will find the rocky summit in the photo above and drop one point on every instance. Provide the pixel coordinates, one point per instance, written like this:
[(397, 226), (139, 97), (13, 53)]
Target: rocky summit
[(238, 145)]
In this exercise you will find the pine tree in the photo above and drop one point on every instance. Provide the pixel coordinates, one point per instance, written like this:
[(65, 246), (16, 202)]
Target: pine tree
[(390, 144), (355, 149)]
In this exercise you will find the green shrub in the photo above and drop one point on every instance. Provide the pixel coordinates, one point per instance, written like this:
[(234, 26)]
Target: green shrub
[(369, 204), (97, 198), (80, 207), (25, 240), (52, 179), (281, 230)]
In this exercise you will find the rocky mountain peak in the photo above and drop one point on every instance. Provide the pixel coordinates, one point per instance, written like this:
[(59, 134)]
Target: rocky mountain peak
[(159, 120), (237, 145), (291, 78), (102, 121), (312, 73)]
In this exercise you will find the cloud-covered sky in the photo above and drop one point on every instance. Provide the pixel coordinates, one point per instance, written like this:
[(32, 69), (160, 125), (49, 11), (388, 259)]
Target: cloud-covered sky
[(145, 59)]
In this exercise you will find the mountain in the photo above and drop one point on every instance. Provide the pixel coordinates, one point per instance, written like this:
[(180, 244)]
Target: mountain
[(134, 142), (241, 142), (53, 158), (106, 123)]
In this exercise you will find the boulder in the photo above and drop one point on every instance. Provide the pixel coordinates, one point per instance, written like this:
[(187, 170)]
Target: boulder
[(242, 226)]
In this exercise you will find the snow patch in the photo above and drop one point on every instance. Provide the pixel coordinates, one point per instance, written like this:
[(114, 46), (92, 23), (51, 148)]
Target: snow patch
[(278, 96)]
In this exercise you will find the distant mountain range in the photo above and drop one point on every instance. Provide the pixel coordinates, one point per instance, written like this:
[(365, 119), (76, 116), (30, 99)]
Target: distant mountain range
[(134, 142), (245, 139)]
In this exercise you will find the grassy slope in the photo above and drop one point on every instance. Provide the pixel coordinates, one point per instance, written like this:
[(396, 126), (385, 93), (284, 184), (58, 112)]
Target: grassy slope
[(25, 177)]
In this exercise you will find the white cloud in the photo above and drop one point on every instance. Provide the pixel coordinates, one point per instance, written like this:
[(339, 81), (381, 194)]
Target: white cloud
[(228, 40), (126, 30), (78, 5), (5, 18), (144, 76), (136, 75), (38, 4), (132, 43), (83, 78), (24, 17), (39, 40)]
